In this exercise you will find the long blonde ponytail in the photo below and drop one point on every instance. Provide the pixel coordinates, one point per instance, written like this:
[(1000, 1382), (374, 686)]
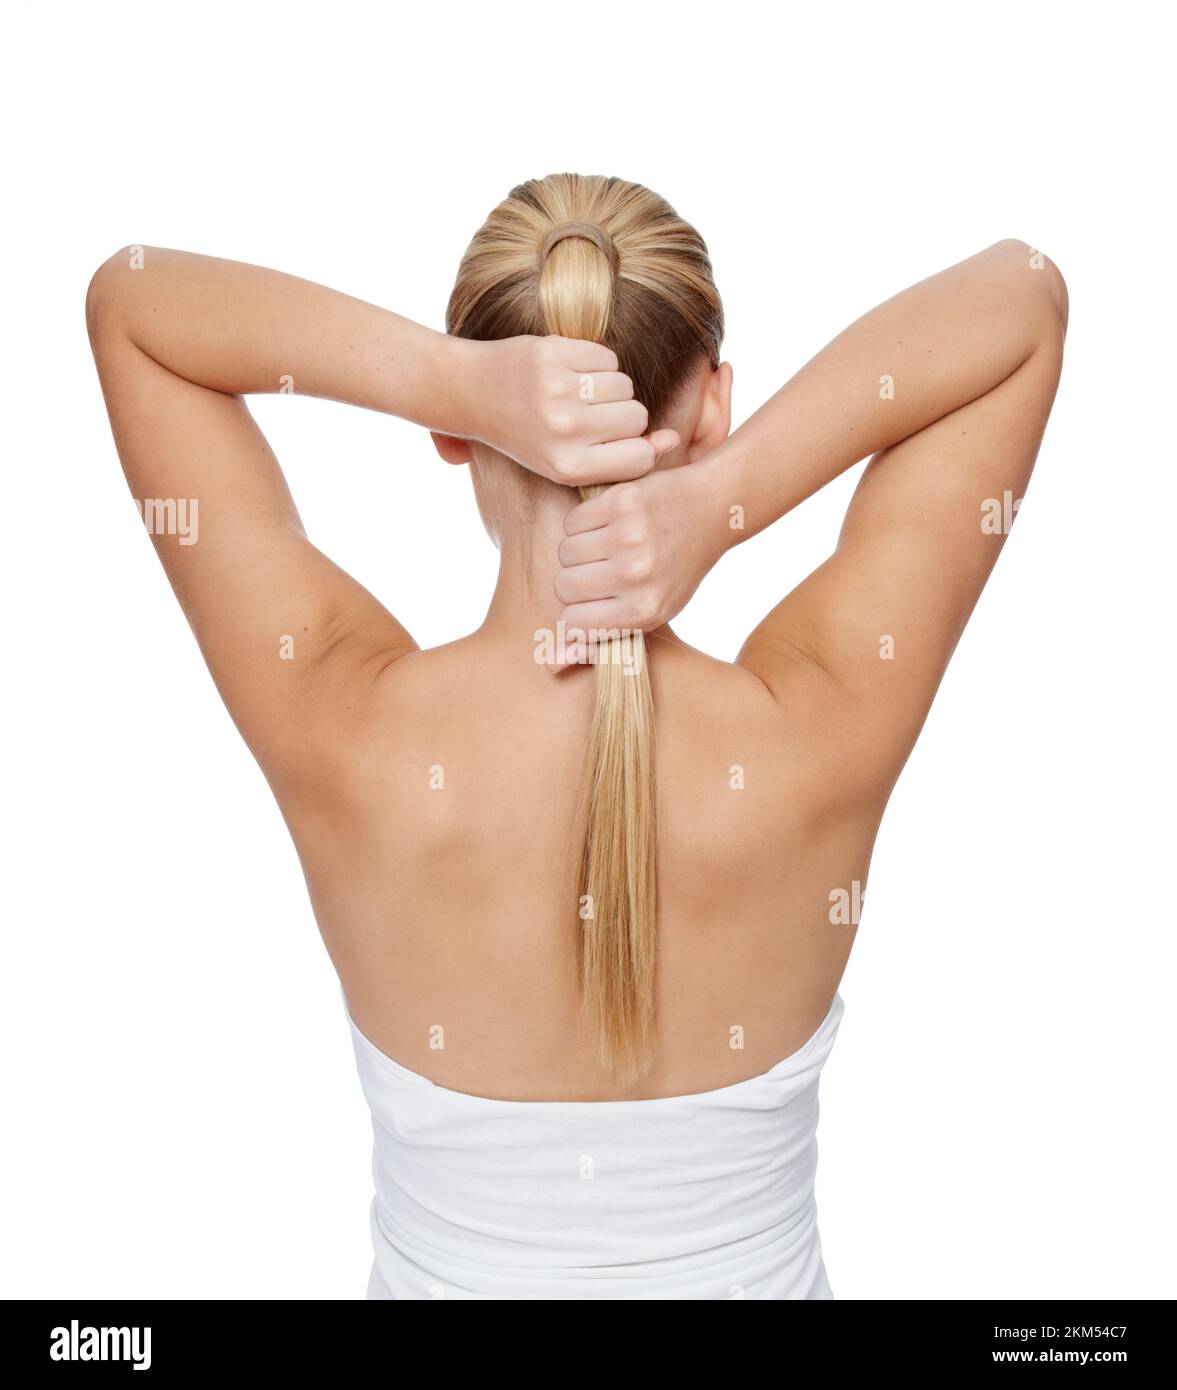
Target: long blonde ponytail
[(602, 259)]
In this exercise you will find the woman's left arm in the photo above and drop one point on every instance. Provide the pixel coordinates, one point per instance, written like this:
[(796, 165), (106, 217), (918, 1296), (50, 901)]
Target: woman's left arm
[(293, 643)]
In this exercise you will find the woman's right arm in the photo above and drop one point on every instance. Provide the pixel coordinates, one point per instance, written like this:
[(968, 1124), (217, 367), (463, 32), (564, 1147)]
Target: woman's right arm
[(949, 385)]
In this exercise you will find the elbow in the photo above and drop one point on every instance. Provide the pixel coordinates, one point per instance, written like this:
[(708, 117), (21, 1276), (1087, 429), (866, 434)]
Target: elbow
[(1049, 278), (98, 299), (105, 290), (1059, 295)]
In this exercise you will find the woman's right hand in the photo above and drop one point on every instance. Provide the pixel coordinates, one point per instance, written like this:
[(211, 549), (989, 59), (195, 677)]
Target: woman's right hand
[(559, 407), (633, 555)]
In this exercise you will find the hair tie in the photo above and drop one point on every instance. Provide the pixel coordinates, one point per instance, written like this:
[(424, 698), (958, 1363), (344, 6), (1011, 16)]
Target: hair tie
[(587, 231)]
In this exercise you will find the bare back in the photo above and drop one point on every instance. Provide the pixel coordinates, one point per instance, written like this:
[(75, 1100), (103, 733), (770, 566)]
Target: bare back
[(432, 794), (444, 893)]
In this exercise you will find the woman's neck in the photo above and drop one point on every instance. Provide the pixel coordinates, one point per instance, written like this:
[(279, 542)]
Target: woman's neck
[(525, 610)]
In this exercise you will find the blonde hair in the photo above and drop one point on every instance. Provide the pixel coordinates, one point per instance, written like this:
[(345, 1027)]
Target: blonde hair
[(599, 258)]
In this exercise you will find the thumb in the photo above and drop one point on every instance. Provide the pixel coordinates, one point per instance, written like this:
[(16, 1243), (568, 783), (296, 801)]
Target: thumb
[(663, 441), (574, 655)]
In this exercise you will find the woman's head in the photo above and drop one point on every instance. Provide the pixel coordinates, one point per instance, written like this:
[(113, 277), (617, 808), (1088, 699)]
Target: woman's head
[(595, 258), (602, 259)]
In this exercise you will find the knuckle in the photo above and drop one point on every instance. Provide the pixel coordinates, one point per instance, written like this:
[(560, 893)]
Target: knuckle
[(644, 457), (638, 568), (570, 466), (633, 415), (643, 610), (626, 499)]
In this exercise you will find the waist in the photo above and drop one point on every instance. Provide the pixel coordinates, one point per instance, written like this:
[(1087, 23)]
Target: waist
[(782, 1262), (566, 1189), (476, 1194)]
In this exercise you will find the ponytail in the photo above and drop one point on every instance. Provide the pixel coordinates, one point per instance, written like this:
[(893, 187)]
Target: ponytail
[(615, 871), (607, 261), (617, 833)]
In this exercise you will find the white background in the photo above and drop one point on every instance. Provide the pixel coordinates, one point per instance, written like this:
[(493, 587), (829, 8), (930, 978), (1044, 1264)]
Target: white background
[(180, 1111)]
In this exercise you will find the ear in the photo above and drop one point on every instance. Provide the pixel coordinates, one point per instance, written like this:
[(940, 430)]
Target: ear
[(452, 450), (715, 416)]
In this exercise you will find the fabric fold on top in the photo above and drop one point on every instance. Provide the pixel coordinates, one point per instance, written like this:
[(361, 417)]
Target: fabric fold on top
[(702, 1196)]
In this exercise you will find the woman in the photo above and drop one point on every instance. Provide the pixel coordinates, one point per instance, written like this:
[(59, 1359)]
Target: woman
[(590, 974)]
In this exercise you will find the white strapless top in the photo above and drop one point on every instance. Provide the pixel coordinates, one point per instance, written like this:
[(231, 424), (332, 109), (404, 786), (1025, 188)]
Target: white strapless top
[(702, 1196)]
